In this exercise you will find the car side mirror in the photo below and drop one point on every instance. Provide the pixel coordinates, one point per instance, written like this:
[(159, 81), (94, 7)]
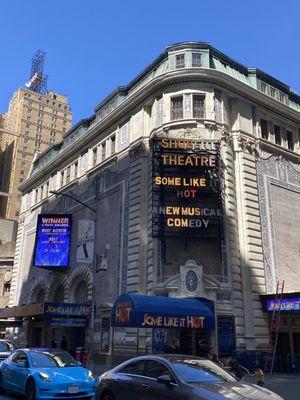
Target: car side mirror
[(79, 363), (22, 364), (164, 379)]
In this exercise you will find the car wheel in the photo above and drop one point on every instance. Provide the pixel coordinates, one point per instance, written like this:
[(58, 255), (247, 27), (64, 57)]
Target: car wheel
[(30, 390), (107, 396)]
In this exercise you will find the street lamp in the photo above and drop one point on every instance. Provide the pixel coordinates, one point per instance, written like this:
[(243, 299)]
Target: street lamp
[(94, 270)]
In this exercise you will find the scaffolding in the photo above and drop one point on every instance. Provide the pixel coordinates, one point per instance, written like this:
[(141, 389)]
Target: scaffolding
[(38, 80)]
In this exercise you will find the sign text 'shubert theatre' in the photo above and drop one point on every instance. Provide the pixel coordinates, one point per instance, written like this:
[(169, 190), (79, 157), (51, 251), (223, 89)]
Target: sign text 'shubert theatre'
[(186, 189)]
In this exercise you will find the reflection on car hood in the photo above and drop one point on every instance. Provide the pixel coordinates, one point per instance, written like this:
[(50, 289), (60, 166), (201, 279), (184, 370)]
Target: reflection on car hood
[(4, 354), (237, 391), (67, 373)]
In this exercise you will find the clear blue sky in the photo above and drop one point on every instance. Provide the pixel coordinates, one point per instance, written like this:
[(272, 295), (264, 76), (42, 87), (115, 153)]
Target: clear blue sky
[(94, 46)]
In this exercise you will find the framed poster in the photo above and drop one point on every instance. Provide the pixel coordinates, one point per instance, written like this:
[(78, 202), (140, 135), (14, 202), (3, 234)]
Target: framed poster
[(226, 334), (85, 241), (160, 339), (105, 333)]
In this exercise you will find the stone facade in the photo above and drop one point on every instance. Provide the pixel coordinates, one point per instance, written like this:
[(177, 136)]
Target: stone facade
[(105, 162)]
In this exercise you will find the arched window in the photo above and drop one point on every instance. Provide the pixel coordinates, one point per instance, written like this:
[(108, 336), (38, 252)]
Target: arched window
[(59, 294), (81, 292)]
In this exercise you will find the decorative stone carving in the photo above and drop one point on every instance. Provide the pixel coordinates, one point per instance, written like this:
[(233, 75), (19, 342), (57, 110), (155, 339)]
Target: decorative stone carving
[(273, 170), (191, 279)]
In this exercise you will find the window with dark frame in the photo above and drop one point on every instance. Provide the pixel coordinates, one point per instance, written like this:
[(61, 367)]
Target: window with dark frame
[(177, 107), (277, 134), (290, 140), (103, 151), (95, 156), (6, 288), (196, 60), (198, 106), (180, 61), (264, 129), (113, 144)]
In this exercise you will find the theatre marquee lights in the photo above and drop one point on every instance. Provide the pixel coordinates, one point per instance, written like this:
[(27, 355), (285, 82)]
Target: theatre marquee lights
[(186, 189)]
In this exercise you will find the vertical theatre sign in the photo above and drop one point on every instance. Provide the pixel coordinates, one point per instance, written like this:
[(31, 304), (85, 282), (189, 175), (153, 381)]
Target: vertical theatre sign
[(186, 189)]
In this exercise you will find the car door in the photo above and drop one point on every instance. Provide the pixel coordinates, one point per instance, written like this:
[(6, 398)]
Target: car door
[(152, 389), (15, 375), (128, 381)]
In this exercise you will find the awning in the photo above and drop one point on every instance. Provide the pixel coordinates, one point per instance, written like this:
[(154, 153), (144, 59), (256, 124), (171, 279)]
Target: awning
[(135, 310)]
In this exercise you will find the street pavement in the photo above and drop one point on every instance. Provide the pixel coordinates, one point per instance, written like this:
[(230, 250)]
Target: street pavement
[(287, 386)]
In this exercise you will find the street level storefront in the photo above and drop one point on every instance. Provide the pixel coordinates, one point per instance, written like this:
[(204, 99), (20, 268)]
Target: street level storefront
[(289, 331), (189, 320), (48, 323)]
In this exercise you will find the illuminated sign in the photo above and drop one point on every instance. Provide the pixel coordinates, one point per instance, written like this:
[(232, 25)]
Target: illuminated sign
[(123, 312), (65, 321), (287, 304), (186, 189), (192, 322), (53, 236), (83, 310)]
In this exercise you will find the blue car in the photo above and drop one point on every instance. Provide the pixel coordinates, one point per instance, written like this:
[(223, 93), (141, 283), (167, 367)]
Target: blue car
[(46, 374)]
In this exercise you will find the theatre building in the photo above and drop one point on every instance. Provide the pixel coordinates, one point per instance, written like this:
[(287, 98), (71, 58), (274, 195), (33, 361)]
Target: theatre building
[(171, 213)]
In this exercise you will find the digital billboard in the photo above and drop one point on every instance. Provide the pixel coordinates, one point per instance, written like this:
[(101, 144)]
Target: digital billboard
[(186, 189), (53, 237)]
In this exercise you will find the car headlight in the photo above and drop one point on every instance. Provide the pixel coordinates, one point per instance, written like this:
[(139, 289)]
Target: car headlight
[(90, 375), (45, 377)]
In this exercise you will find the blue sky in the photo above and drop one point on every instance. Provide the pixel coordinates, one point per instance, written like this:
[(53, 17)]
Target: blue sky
[(94, 46)]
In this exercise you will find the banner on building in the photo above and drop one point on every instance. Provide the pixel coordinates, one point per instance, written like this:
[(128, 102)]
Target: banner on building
[(85, 241), (52, 244)]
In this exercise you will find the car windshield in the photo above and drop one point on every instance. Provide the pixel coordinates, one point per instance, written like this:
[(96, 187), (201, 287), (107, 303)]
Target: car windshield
[(197, 371), (5, 346), (53, 359)]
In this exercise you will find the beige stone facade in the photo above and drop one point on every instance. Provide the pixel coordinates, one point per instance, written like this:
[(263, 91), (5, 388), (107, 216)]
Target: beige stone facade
[(192, 91), (33, 122)]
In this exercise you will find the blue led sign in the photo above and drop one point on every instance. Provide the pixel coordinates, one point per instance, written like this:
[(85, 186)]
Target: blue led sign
[(52, 245)]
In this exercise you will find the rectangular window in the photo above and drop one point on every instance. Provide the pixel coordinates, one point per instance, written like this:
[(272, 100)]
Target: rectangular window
[(263, 87), (264, 129), (177, 107), (75, 170), (273, 92), (68, 174), (95, 158), (290, 140), (277, 134), (180, 61), (196, 60), (198, 106), (113, 144), (103, 151)]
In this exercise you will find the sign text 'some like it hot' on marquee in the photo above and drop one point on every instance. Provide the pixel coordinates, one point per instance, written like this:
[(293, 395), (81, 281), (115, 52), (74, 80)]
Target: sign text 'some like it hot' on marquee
[(186, 189)]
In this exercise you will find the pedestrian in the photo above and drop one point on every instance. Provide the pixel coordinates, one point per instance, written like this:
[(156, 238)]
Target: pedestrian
[(259, 375), (212, 356), (63, 343), (53, 344), (175, 347), (238, 370)]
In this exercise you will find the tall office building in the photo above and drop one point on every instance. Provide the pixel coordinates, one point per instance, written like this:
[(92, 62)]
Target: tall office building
[(33, 122)]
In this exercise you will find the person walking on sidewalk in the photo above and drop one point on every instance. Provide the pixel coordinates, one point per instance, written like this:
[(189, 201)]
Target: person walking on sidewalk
[(259, 375)]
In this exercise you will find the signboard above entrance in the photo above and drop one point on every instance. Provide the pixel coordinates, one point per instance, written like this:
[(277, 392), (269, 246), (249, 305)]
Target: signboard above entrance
[(52, 245), (162, 312), (186, 189)]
